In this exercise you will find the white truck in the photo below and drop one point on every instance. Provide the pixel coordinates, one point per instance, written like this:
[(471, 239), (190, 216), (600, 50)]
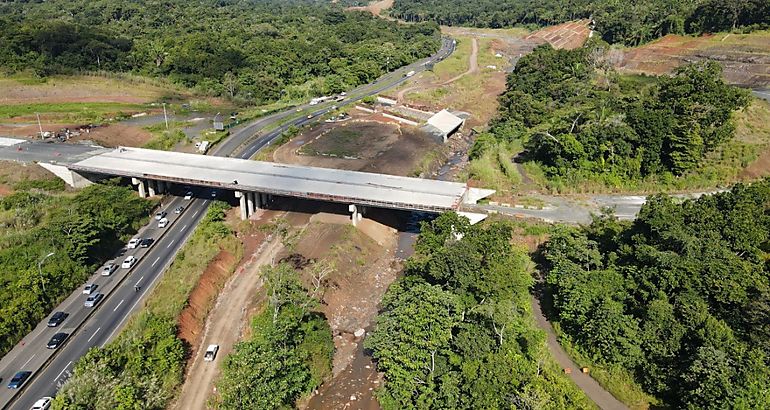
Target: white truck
[(211, 353), (409, 74)]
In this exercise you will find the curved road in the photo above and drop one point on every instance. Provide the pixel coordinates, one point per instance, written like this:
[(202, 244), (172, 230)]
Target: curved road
[(98, 326)]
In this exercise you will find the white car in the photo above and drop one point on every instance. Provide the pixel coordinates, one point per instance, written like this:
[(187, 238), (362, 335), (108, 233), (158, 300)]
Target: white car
[(163, 223), (42, 404), (90, 288), (211, 353), (133, 243), (188, 195), (160, 215), (129, 262), (93, 299), (109, 269)]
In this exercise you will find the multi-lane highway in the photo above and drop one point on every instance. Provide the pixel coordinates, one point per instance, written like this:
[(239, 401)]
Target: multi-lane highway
[(89, 327)]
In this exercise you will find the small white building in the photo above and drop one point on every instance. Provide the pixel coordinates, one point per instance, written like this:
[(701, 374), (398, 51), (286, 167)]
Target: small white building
[(446, 123)]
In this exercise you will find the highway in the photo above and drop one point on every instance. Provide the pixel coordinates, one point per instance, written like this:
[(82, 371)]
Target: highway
[(97, 326)]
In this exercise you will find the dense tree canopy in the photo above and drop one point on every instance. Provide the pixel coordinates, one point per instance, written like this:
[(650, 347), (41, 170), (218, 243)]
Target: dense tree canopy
[(255, 50), (618, 22), (578, 118), (81, 230), (455, 332), (680, 297)]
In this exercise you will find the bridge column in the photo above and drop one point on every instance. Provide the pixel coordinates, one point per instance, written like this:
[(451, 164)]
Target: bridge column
[(356, 216), (244, 210), (161, 187), (151, 187), (250, 202), (263, 199), (141, 186), (257, 200)]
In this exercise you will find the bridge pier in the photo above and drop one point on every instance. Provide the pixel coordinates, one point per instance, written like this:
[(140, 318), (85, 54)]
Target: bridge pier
[(151, 187), (258, 203), (243, 207), (140, 186), (356, 215), (250, 202)]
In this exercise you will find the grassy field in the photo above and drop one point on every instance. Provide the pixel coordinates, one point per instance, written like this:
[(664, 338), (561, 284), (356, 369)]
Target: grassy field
[(69, 111)]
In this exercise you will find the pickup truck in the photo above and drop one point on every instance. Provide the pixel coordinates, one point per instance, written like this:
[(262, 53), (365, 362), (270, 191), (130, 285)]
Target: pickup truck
[(211, 353)]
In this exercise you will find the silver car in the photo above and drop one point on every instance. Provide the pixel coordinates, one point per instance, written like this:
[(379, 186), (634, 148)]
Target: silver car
[(94, 299)]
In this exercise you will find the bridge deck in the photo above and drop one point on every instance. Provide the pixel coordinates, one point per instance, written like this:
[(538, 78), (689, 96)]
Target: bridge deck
[(278, 179)]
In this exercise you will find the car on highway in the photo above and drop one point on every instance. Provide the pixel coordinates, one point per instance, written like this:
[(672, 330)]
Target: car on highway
[(160, 215), (129, 262), (310, 116), (57, 318), (93, 300), (133, 243), (56, 340), (188, 195), (90, 288), (179, 210), (146, 242), (18, 379), (109, 268), (214, 193), (211, 353), (43, 404), (163, 223)]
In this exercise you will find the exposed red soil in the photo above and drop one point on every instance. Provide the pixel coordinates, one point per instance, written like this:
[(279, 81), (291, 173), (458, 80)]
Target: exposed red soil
[(110, 135), (193, 316), (375, 8), (745, 58)]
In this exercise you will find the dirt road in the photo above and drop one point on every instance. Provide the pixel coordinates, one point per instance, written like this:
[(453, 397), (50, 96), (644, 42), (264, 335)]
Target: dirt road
[(473, 63), (224, 325), (586, 383)]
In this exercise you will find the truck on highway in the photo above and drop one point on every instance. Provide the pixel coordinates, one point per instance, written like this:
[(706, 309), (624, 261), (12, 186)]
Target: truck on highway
[(409, 74)]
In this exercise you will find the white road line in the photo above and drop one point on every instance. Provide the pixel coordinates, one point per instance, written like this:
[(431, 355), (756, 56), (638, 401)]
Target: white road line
[(171, 243), (184, 227), (156, 261), (119, 303), (92, 336), (28, 360), (196, 213), (63, 370), (125, 317), (140, 279)]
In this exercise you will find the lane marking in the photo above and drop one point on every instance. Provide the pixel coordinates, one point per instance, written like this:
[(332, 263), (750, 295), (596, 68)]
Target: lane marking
[(171, 243), (92, 336), (184, 227), (196, 213), (63, 370), (156, 261), (28, 360), (119, 303), (125, 317)]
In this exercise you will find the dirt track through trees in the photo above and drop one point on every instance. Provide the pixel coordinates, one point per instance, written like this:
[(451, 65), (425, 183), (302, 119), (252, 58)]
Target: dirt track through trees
[(224, 325)]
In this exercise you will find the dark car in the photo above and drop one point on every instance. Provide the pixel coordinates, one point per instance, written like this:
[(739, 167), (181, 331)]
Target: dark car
[(146, 242), (18, 379), (56, 319), (56, 340)]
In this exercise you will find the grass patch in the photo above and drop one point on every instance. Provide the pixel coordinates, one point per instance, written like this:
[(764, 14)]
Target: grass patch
[(457, 62), (94, 112), (166, 139), (495, 170)]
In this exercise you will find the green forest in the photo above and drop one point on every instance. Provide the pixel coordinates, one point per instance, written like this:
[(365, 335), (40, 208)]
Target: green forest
[(290, 351), (456, 332), (82, 230), (253, 51), (578, 119), (680, 296), (629, 23)]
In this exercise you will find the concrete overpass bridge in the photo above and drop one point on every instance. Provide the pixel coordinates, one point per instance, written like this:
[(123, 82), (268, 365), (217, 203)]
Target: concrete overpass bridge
[(255, 183)]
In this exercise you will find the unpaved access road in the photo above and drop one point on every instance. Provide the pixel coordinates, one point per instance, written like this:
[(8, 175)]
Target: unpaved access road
[(224, 325)]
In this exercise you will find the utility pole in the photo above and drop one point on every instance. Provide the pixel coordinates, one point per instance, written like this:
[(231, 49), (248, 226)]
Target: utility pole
[(40, 270), (165, 116), (39, 125)]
